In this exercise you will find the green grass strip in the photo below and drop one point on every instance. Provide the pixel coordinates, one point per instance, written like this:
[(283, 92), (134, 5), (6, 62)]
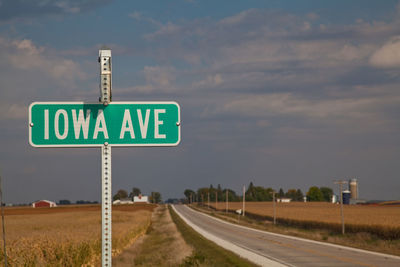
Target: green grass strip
[(206, 253)]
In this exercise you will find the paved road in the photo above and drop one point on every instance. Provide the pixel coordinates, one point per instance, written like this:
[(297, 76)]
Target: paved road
[(283, 250)]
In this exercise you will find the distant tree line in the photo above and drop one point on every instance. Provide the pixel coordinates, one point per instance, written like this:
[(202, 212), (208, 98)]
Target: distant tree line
[(256, 193), (79, 202)]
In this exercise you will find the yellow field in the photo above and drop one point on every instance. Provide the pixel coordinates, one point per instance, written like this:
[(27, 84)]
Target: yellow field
[(363, 218), (68, 236), (324, 212)]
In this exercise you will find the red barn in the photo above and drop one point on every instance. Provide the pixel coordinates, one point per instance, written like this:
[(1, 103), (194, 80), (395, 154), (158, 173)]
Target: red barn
[(44, 204)]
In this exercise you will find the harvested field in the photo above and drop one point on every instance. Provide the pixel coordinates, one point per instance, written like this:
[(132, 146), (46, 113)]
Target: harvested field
[(70, 235), (26, 210), (383, 221)]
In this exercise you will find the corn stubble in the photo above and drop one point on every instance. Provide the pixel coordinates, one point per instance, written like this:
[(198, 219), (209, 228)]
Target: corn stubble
[(70, 238)]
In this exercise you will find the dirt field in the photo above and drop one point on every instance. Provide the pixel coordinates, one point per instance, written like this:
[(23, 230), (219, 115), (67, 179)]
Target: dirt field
[(382, 221), (388, 216), (68, 235), (26, 210)]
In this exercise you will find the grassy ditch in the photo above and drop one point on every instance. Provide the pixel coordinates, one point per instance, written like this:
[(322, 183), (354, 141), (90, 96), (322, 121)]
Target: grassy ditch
[(161, 246), (205, 253), (358, 239)]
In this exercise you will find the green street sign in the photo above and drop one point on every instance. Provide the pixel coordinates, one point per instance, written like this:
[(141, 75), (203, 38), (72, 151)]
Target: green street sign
[(79, 124)]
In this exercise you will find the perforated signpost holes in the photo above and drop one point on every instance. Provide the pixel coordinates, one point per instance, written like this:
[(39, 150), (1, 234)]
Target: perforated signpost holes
[(105, 124)]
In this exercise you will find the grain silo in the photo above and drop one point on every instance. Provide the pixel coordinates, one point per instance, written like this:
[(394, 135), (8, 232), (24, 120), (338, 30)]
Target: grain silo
[(353, 186), (346, 197)]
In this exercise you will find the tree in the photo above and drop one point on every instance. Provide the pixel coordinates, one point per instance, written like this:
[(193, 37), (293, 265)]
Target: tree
[(135, 192), (121, 194), (281, 194), (202, 194), (261, 194), (219, 193), (250, 193), (326, 193), (258, 193), (268, 194), (291, 193), (188, 194), (64, 202), (314, 194), (155, 197), (299, 195), (231, 195)]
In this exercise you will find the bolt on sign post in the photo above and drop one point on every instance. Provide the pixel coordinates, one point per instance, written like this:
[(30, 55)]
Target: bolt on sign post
[(105, 124)]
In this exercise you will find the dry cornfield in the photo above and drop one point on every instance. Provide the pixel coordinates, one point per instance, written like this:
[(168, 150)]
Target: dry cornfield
[(383, 221), (68, 236)]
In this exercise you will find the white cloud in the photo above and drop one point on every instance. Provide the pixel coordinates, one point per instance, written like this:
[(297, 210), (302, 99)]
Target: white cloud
[(139, 17), (13, 111), (209, 81), (365, 110), (236, 19), (388, 55), (26, 56), (164, 30), (23, 10), (259, 51), (29, 71), (158, 79)]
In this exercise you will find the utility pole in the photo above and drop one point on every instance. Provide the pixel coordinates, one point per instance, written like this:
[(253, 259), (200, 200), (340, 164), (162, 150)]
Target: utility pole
[(2, 220), (341, 183), (216, 200), (226, 201), (208, 200), (244, 199), (274, 205)]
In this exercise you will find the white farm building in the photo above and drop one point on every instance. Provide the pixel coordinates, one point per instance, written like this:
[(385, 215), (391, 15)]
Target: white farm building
[(123, 201), (284, 200), (141, 199)]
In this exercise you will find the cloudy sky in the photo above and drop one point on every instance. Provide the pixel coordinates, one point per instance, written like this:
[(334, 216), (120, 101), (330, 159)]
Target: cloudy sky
[(284, 94)]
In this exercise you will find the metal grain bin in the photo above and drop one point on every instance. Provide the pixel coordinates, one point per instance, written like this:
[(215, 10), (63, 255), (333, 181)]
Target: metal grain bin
[(346, 197)]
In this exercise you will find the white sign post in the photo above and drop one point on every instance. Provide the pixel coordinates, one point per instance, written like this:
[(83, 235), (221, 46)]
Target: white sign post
[(105, 124), (106, 193), (106, 202)]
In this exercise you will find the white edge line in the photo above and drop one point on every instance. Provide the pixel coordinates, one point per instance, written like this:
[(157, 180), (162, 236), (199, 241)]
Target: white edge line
[(306, 240), (251, 256)]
